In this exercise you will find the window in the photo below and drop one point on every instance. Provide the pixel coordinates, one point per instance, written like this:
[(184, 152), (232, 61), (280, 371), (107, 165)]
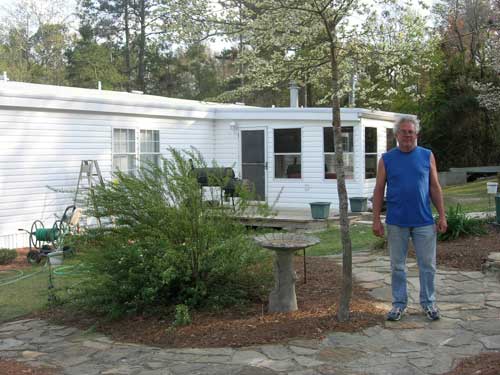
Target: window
[(390, 140), (124, 154), (370, 152), (287, 153), (150, 147), (329, 150), (127, 157)]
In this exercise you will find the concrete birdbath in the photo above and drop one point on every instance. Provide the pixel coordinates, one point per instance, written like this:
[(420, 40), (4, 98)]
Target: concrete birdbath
[(282, 298)]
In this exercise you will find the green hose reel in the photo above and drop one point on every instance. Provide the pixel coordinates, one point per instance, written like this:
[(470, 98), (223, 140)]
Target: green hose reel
[(47, 234), (43, 240)]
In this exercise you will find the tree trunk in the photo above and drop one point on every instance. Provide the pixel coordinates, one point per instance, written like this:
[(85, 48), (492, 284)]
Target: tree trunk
[(346, 292), (127, 44), (142, 46)]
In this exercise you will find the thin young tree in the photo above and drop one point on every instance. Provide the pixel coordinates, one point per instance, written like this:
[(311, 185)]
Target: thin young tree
[(292, 39)]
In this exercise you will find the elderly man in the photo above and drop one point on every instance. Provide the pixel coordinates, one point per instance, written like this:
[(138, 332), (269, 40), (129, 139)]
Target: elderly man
[(412, 183)]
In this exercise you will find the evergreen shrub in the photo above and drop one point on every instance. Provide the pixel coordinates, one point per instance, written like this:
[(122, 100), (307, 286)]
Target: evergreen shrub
[(7, 256), (168, 246)]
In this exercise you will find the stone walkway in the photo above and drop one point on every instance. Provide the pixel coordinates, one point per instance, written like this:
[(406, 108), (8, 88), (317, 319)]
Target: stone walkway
[(469, 301)]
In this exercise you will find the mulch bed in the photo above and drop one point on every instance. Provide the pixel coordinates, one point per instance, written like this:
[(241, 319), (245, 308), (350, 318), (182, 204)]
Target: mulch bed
[(482, 364), (18, 263), (317, 300), (468, 253), (9, 367)]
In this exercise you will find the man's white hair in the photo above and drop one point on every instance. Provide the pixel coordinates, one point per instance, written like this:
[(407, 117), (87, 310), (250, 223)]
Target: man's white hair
[(407, 119)]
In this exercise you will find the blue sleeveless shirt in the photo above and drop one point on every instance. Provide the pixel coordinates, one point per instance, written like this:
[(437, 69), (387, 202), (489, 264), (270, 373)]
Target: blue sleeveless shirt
[(408, 187)]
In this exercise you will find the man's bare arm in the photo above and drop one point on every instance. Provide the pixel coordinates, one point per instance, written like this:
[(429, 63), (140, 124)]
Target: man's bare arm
[(378, 199), (437, 196)]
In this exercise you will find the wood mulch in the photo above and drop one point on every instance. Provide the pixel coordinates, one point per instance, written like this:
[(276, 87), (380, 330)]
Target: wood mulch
[(10, 367), (482, 364), (237, 327), (19, 263), (468, 253)]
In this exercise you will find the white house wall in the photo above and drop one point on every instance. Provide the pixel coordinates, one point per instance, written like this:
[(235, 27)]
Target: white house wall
[(291, 193), (312, 187), (226, 145), (45, 148), (45, 132)]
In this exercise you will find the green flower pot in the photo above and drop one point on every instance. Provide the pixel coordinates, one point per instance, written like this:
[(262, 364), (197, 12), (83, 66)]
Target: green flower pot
[(320, 210), (358, 204)]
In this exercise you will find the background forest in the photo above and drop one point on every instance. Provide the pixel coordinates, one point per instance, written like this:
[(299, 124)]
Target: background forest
[(440, 63)]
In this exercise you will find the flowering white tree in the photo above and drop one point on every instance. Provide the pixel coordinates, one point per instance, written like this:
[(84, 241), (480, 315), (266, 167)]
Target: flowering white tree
[(293, 39), (489, 93)]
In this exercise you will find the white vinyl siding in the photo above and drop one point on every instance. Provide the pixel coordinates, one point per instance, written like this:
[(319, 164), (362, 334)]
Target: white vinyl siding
[(41, 153), (40, 157)]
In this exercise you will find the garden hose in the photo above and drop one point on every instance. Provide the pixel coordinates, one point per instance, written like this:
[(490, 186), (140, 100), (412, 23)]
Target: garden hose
[(68, 270), (22, 277), (17, 274)]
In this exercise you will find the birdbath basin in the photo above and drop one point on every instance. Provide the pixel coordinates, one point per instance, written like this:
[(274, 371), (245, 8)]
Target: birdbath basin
[(282, 298)]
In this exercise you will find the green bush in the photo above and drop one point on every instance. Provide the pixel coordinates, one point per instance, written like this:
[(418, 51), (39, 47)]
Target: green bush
[(461, 225), (182, 317), (168, 245), (7, 256)]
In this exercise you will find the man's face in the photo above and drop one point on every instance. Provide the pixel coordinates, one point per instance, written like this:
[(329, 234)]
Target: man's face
[(406, 135)]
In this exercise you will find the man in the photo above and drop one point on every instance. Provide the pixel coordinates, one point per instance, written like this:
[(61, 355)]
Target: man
[(412, 182)]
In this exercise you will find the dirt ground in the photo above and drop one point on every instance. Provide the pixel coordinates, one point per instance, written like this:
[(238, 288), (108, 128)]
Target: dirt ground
[(317, 302)]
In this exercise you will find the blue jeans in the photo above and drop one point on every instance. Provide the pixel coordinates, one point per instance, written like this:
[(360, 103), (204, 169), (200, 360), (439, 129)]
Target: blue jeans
[(424, 242)]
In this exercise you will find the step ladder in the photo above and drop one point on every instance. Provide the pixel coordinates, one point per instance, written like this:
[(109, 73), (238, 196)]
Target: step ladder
[(90, 176)]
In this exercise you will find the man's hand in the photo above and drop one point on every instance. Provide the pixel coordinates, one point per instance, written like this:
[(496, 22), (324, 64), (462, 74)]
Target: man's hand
[(378, 228), (442, 224)]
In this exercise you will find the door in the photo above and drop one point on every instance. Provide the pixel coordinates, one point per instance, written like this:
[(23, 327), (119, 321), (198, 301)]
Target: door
[(253, 160)]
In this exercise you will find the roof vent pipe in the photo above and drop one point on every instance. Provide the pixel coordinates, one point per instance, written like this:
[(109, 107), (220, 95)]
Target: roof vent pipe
[(294, 95), (99, 85), (4, 77)]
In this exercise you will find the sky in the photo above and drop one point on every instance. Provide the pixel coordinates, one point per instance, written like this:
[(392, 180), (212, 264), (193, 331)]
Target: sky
[(216, 46)]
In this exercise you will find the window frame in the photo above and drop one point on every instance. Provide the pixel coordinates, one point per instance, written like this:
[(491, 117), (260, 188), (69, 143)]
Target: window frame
[(299, 154), (140, 152), (371, 153), (325, 153), (137, 147)]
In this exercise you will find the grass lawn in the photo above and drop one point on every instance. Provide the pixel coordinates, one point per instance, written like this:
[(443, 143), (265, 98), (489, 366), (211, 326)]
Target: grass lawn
[(27, 292), (361, 237), (472, 196)]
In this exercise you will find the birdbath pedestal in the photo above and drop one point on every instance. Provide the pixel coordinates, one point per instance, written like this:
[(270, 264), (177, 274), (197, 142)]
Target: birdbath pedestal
[(282, 298)]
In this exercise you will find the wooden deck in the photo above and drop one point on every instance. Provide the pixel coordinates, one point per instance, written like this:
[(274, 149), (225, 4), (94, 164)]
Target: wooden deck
[(299, 220)]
